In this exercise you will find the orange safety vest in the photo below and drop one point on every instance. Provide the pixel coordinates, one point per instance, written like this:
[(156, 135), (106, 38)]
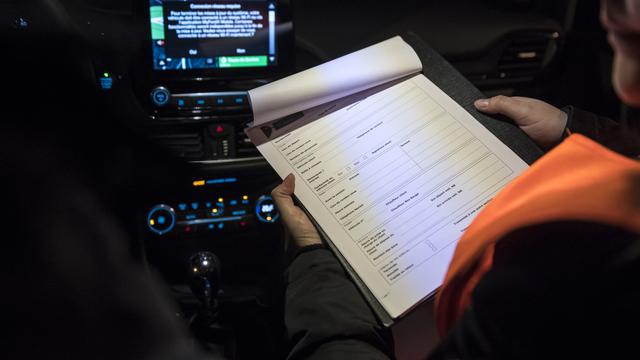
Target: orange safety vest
[(579, 180)]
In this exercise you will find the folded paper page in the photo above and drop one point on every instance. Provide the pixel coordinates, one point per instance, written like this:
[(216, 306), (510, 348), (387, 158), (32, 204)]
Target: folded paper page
[(364, 69)]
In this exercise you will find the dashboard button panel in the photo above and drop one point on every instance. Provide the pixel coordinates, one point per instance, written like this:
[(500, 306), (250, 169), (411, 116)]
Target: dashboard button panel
[(185, 104), (222, 213)]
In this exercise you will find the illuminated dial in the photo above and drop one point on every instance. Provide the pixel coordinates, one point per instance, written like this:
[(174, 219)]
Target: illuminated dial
[(161, 219), (266, 209)]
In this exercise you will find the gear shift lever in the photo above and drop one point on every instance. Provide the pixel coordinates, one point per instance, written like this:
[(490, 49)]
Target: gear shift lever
[(204, 270), (205, 281)]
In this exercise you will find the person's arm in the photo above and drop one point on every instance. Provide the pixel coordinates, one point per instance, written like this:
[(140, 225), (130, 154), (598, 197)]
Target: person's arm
[(617, 136), (73, 290), (325, 314), (548, 125)]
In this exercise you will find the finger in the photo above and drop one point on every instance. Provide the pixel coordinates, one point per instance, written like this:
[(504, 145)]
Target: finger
[(510, 107), (281, 195)]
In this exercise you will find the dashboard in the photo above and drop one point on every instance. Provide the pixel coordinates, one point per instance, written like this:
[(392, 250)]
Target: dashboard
[(171, 77), (183, 82)]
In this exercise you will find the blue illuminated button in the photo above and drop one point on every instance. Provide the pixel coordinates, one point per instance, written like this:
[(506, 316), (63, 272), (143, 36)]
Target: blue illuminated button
[(208, 204), (195, 205), (218, 209), (201, 102), (21, 23), (182, 207), (221, 225), (161, 219), (266, 209), (233, 202), (160, 96), (219, 101), (106, 83), (181, 102), (211, 226), (240, 100)]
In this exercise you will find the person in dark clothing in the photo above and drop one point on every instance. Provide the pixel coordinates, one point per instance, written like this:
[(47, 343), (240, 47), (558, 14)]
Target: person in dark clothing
[(560, 289), (591, 290)]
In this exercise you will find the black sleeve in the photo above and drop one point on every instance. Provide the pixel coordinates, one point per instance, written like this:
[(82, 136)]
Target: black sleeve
[(73, 290), (621, 137), (325, 315), (563, 290)]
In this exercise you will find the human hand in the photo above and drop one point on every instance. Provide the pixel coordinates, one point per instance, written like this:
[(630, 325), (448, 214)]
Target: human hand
[(543, 123), (296, 221)]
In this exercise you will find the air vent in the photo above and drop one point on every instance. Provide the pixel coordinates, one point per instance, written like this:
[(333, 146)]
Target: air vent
[(185, 145), (244, 146), (526, 56)]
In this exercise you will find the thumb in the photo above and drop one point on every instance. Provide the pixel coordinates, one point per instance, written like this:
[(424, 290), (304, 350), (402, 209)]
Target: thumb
[(281, 194), (504, 105)]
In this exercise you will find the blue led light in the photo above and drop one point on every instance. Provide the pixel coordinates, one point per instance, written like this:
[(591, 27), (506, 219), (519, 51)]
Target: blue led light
[(211, 226), (221, 225), (191, 217), (208, 205), (171, 220), (233, 202), (106, 83), (160, 98), (195, 205), (239, 212), (182, 207), (221, 181), (21, 23)]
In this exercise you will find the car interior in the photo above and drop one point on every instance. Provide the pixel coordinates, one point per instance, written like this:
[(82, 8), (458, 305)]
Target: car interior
[(164, 106)]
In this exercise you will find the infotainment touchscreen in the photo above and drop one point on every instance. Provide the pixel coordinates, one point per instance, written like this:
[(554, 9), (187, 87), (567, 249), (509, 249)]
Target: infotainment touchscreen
[(200, 34)]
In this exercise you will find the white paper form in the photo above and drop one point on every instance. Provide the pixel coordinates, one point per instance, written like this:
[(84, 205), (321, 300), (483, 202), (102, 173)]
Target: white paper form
[(394, 180)]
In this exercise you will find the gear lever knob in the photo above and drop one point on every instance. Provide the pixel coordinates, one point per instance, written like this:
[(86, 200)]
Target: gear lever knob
[(205, 279)]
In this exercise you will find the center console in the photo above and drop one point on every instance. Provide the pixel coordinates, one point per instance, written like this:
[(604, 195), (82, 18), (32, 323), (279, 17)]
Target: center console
[(201, 58)]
